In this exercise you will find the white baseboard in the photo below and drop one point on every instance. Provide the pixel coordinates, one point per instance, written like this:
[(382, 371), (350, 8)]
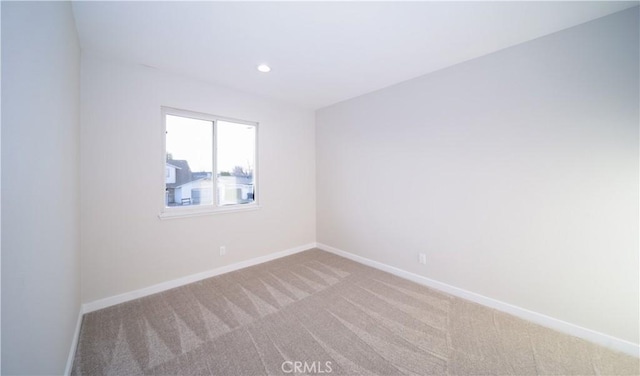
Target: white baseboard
[(117, 299), (538, 318), (74, 345)]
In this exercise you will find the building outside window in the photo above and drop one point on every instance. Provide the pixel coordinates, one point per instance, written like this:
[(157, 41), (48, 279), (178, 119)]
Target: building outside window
[(209, 163)]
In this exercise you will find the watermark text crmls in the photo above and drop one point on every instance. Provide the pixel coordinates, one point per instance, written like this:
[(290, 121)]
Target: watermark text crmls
[(296, 366)]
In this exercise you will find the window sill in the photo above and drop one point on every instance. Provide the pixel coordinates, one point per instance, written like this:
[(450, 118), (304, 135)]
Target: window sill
[(174, 213)]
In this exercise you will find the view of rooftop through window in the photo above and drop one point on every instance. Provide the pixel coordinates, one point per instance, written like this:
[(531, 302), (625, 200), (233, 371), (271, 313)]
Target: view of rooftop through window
[(235, 158), (190, 157), (191, 140)]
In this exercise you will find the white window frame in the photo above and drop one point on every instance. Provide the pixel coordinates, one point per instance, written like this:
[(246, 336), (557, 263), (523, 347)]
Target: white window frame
[(198, 210)]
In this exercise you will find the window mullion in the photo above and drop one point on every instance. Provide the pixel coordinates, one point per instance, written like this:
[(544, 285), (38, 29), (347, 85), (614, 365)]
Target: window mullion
[(214, 167)]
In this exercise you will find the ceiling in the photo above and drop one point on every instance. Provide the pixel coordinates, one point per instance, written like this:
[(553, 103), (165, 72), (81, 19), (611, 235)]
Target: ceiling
[(320, 52)]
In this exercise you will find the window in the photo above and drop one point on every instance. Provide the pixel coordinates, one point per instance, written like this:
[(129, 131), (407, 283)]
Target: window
[(209, 163)]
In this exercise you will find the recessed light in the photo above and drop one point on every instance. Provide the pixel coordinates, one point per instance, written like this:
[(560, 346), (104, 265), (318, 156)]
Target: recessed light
[(264, 68)]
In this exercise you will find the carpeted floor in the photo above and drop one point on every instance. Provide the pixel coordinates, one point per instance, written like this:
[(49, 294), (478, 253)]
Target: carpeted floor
[(317, 313)]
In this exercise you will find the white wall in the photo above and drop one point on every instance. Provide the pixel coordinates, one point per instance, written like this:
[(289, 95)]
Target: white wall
[(40, 204), (125, 246), (516, 173)]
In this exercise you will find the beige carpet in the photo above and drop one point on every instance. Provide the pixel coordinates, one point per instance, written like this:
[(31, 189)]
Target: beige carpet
[(317, 313)]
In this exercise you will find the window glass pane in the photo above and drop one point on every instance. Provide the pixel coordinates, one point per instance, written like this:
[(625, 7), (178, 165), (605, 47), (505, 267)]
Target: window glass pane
[(188, 169), (235, 159)]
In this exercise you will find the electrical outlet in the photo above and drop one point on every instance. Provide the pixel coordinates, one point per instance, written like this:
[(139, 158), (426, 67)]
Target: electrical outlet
[(223, 250), (422, 258)]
